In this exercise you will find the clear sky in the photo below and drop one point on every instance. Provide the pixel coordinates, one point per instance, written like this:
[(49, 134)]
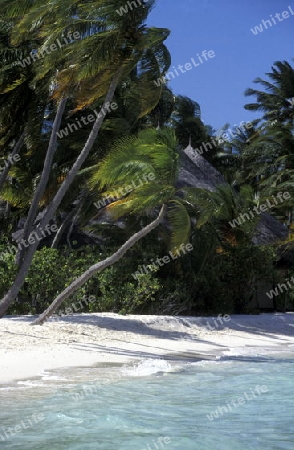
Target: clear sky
[(224, 26)]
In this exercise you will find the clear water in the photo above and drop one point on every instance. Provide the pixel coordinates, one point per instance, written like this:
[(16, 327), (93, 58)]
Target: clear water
[(138, 407)]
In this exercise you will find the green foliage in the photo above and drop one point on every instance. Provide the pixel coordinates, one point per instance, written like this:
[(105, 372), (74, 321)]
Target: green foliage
[(285, 300), (232, 287), (272, 102), (207, 280), (153, 151), (174, 298), (212, 281), (122, 296), (45, 277), (51, 271)]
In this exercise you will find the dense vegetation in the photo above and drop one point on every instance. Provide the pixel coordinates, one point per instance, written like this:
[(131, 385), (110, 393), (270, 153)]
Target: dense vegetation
[(53, 178)]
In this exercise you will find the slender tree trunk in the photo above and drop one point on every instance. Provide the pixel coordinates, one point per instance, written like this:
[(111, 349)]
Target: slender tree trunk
[(23, 270), (62, 228), (73, 224), (98, 267), (84, 153), (44, 177), (15, 151)]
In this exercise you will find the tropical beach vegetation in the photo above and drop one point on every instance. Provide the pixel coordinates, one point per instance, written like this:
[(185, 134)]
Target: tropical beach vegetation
[(53, 179)]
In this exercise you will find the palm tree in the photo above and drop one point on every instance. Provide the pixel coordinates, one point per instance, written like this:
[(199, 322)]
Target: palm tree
[(268, 165), (115, 50), (16, 95), (18, 103), (268, 155), (262, 157), (125, 174), (160, 116), (276, 103), (186, 119)]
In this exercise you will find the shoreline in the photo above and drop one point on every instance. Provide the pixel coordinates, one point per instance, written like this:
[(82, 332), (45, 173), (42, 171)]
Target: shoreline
[(88, 340)]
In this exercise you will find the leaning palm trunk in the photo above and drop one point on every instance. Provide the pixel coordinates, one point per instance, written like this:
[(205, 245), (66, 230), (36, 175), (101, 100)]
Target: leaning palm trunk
[(28, 228), (62, 228), (98, 267), (14, 152), (73, 223), (24, 267)]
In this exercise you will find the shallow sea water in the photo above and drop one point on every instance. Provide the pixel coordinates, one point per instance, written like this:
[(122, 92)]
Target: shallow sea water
[(154, 405)]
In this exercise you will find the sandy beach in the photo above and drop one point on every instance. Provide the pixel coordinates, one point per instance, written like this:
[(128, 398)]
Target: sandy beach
[(85, 340)]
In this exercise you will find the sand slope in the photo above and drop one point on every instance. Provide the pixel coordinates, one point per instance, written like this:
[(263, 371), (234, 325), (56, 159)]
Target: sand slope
[(88, 339)]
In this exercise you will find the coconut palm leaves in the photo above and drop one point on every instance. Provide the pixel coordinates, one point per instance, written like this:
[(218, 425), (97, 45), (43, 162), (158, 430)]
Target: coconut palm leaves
[(140, 174), (266, 155), (275, 102), (105, 42), (187, 123)]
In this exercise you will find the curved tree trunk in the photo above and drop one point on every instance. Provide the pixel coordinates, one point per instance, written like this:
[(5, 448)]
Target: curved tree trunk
[(23, 270), (98, 267), (14, 152), (77, 212), (62, 228), (19, 280), (44, 178), (84, 153)]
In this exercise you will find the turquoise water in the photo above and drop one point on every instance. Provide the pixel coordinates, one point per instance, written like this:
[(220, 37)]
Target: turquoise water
[(136, 408)]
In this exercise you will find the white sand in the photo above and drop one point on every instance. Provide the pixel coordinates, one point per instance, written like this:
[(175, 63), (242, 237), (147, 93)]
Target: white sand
[(89, 339)]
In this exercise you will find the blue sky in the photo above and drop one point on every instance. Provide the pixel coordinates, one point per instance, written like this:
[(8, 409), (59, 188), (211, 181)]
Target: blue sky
[(224, 26)]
